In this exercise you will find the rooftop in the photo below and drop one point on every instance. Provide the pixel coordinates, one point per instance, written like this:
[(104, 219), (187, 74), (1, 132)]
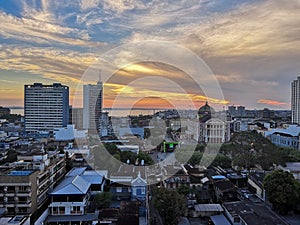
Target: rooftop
[(225, 185), (20, 172), (68, 218), (77, 183), (208, 208), (253, 214), (220, 220)]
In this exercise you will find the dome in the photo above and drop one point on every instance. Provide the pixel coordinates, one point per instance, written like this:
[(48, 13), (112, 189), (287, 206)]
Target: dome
[(205, 110)]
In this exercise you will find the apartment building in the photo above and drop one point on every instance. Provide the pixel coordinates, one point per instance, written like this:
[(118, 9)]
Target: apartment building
[(25, 184), (18, 191), (71, 198)]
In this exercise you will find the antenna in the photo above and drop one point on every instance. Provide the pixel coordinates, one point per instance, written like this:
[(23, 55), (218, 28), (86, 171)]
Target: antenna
[(100, 78)]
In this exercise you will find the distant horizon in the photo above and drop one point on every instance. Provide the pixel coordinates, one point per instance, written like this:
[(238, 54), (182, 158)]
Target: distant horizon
[(139, 108)]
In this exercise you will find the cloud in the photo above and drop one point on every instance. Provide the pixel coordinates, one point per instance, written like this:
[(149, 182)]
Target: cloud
[(39, 31), (59, 65), (8, 81), (271, 102), (126, 95), (262, 28), (252, 47)]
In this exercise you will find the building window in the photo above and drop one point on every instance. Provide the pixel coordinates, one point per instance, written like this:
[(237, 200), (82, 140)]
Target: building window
[(54, 210), (75, 210), (22, 188), (10, 209), (22, 209), (61, 210)]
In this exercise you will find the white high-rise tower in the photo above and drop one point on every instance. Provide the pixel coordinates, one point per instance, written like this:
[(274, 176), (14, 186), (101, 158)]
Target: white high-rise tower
[(92, 105), (295, 101)]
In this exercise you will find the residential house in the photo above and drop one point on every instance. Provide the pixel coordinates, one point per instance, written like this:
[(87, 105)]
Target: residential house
[(71, 198), (129, 182), (255, 183)]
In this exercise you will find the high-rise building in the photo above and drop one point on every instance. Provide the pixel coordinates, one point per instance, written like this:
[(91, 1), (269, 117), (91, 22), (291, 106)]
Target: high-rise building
[(77, 118), (46, 107), (295, 101), (92, 106)]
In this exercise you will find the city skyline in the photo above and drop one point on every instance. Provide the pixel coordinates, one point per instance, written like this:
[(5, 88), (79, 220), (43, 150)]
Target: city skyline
[(252, 47)]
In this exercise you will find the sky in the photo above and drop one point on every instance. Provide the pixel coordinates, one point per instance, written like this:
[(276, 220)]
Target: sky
[(251, 49)]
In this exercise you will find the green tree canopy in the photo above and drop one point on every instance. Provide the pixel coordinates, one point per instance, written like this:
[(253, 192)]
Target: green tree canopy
[(283, 191), (170, 205), (222, 160), (102, 200)]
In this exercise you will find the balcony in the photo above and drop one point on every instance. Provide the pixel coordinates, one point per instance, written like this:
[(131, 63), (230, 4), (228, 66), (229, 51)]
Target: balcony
[(23, 203), (76, 212), (58, 213), (23, 193)]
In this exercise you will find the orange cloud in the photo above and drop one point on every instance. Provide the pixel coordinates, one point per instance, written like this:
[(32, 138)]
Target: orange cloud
[(271, 102)]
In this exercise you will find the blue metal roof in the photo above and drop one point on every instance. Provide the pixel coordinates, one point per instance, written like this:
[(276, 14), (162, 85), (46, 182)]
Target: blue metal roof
[(20, 173), (219, 220), (218, 177)]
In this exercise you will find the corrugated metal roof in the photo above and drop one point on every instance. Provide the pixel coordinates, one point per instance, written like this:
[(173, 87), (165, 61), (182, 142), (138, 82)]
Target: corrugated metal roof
[(81, 184), (208, 208), (75, 171), (77, 184)]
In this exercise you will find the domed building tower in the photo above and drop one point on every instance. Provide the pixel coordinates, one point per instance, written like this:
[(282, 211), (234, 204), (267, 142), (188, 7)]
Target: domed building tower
[(211, 129), (205, 112)]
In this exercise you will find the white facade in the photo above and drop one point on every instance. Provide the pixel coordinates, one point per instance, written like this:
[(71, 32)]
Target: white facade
[(92, 105), (69, 133), (214, 131), (295, 101)]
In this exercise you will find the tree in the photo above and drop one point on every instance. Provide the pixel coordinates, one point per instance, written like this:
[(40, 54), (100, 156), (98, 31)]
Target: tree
[(111, 148), (170, 205), (283, 191), (196, 158), (147, 159), (222, 161), (102, 200), (184, 190), (69, 164), (11, 118)]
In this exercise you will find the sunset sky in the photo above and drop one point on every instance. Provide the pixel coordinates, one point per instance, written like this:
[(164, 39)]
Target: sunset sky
[(252, 48)]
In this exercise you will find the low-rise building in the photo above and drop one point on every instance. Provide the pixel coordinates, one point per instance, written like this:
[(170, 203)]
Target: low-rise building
[(285, 137), (249, 213), (225, 190), (293, 168), (255, 183), (205, 210), (4, 111), (129, 182), (175, 177), (70, 199)]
